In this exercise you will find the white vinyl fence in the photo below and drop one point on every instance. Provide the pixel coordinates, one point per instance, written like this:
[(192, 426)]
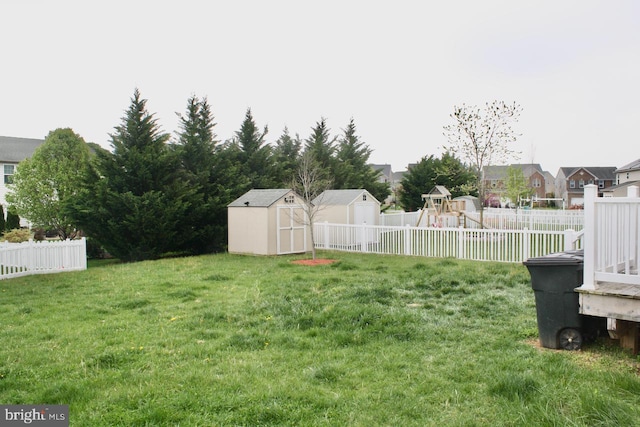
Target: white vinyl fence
[(501, 219), (461, 243), (26, 258)]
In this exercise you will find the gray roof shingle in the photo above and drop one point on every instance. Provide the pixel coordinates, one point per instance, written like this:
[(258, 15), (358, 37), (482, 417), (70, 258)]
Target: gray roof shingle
[(15, 150), (260, 198)]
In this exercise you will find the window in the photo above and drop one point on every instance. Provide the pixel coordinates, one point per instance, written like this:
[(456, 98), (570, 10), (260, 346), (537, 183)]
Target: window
[(364, 197), (601, 183), (572, 184), (536, 183), (581, 183), (9, 170), (289, 199)]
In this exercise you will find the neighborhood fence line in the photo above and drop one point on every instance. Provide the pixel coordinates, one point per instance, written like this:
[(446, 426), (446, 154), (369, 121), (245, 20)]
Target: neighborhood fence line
[(461, 243), (502, 219), (26, 258)]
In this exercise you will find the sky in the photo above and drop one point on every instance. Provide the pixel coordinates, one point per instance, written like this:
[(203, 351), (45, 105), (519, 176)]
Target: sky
[(397, 68)]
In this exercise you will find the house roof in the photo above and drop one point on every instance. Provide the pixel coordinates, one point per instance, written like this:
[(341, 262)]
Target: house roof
[(500, 172), (633, 166), (260, 198), (341, 197), (598, 172), (383, 169), (619, 186), (15, 150)]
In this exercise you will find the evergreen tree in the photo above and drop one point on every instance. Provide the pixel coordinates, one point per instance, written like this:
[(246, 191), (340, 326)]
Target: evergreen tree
[(321, 148), (134, 200), (352, 168), (253, 155), (3, 223), (286, 156), (205, 224), (13, 221)]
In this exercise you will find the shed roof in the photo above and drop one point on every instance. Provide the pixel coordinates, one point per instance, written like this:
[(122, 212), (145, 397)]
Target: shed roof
[(15, 150), (260, 197), (341, 197)]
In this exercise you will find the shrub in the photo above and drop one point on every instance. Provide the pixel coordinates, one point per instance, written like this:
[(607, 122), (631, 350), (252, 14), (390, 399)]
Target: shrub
[(39, 234), (13, 221), (17, 235)]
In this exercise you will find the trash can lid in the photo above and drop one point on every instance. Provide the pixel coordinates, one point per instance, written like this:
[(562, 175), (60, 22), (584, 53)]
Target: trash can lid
[(558, 258)]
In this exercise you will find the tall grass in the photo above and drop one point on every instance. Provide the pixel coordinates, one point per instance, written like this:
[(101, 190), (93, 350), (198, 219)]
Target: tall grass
[(369, 340)]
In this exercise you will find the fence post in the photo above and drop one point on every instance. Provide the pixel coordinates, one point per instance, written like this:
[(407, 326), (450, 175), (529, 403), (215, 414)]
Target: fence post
[(526, 241), (407, 240), (589, 269), (569, 236), (461, 240)]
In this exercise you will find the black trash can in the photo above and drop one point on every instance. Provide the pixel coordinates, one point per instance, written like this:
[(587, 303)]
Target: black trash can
[(553, 279)]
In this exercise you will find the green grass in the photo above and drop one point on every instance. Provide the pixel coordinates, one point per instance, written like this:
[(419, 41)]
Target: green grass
[(369, 341)]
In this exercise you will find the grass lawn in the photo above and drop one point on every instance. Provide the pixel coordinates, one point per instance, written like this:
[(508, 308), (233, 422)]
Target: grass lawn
[(370, 340)]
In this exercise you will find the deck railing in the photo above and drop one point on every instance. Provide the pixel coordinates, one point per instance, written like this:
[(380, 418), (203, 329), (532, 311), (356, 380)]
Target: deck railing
[(26, 258), (611, 238)]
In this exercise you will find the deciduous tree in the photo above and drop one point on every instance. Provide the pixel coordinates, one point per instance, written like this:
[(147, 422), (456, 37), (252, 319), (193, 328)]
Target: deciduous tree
[(482, 137), (53, 176)]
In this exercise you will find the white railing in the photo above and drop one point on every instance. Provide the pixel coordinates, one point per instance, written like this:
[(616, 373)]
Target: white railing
[(26, 258), (461, 243), (611, 238), (501, 219)]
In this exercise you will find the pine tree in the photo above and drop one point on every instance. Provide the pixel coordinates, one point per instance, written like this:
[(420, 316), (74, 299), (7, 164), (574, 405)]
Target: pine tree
[(134, 200), (286, 156), (321, 148), (253, 155), (353, 170), (205, 224)]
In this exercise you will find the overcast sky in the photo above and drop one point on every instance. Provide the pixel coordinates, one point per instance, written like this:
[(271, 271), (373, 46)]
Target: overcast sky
[(398, 68)]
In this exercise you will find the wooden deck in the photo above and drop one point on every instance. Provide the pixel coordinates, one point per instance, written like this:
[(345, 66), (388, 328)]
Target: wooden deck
[(618, 302), (614, 300)]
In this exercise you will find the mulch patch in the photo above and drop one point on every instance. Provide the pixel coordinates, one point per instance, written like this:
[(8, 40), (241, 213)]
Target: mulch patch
[(312, 262)]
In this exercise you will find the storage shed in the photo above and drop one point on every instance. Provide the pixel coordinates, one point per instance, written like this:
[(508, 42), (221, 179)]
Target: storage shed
[(268, 222), (347, 207)]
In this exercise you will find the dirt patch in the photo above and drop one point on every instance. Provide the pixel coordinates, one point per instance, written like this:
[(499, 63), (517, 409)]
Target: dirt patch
[(312, 262)]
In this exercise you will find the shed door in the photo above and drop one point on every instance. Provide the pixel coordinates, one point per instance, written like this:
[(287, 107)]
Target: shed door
[(364, 212), (292, 236)]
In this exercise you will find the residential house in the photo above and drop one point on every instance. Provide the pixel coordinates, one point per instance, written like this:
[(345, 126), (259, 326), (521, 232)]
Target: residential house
[(387, 175), (13, 151), (626, 175), (570, 182), (494, 178)]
